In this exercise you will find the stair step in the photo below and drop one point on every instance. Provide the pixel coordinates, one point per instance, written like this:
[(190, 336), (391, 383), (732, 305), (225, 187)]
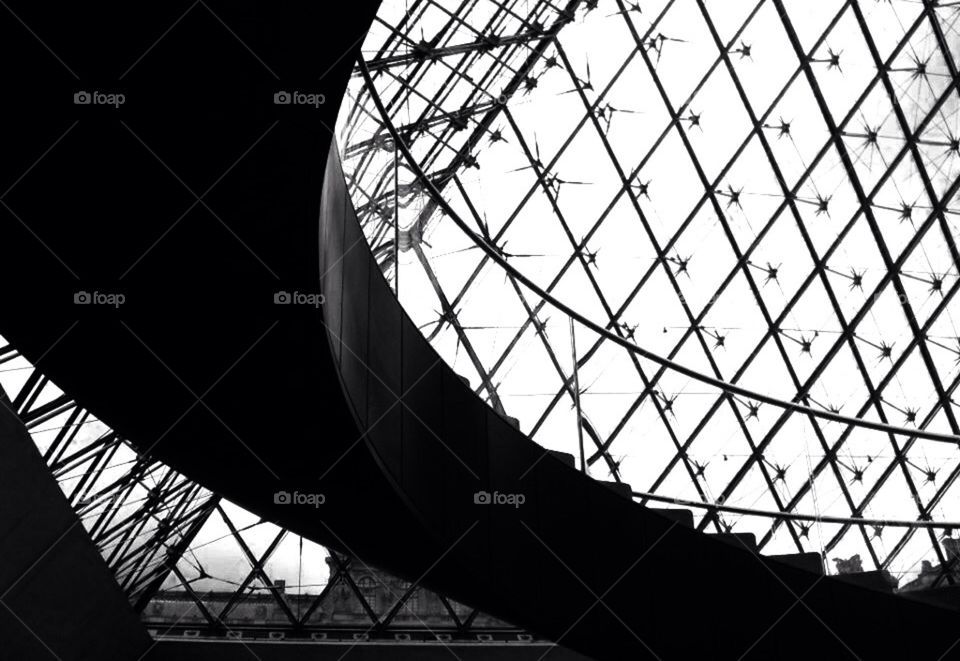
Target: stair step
[(811, 562), (684, 517), (739, 539), (875, 580), (565, 457), (621, 488)]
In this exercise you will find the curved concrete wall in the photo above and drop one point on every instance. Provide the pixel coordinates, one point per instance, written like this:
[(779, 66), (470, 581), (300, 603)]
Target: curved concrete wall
[(576, 562)]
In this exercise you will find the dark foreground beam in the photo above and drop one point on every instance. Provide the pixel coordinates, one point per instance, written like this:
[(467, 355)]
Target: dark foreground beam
[(58, 599)]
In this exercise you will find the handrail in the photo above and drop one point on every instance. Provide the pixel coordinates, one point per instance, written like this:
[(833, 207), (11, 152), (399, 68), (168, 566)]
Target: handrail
[(728, 388)]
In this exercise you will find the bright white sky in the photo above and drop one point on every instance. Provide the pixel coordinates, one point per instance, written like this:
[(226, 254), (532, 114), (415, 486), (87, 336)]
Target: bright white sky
[(492, 313), (506, 196)]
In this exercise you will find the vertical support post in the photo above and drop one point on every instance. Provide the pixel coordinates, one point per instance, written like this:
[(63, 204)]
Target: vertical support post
[(576, 395), (396, 220)]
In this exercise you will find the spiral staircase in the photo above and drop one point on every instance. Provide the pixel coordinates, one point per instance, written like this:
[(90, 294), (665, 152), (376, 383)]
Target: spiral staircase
[(201, 369)]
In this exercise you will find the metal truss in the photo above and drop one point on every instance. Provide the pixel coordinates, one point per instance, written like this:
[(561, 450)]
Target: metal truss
[(194, 564), (140, 513), (771, 185)]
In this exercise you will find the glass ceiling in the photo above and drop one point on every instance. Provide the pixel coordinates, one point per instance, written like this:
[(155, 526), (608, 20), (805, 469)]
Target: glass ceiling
[(762, 192), (188, 559)]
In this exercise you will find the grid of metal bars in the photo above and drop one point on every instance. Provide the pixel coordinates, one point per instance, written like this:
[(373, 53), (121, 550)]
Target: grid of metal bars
[(816, 149), (164, 536), (138, 511)]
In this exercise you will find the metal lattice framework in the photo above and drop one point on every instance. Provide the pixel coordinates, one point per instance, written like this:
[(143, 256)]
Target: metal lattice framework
[(192, 562), (763, 191), (139, 512)]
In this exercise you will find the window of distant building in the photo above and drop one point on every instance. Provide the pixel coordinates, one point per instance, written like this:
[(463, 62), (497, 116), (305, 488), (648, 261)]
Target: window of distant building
[(368, 588), (413, 602)]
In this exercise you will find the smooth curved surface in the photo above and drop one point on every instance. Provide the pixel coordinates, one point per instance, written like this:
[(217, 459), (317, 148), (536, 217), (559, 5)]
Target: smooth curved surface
[(202, 370), (198, 367), (576, 562)]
